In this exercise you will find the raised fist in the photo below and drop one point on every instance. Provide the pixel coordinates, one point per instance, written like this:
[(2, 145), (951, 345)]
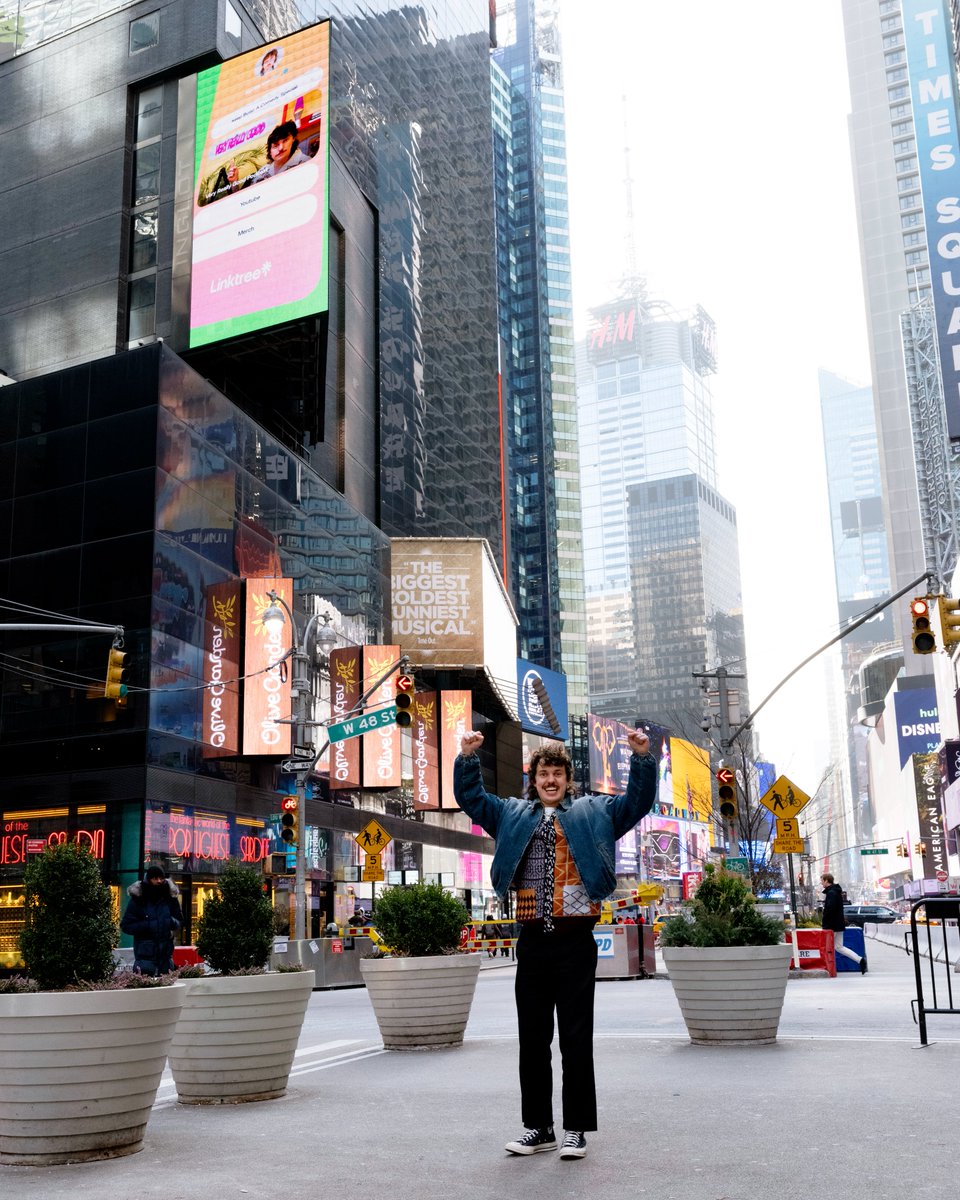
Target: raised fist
[(470, 743), (638, 742)]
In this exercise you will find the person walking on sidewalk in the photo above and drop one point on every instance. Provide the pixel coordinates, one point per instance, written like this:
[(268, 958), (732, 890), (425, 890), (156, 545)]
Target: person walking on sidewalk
[(834, 919), (556, 852)]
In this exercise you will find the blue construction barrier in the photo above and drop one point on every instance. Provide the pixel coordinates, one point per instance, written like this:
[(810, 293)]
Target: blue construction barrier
[(853, 939)]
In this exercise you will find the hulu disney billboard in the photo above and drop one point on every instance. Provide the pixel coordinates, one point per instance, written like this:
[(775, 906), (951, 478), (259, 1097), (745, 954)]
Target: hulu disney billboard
[(261, 188)]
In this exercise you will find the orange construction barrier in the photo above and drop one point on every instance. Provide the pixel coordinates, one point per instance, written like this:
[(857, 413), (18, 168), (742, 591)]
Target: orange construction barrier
[(815, 950)]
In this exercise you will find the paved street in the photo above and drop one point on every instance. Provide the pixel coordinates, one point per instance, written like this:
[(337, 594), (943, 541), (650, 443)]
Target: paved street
[(844, 1104)]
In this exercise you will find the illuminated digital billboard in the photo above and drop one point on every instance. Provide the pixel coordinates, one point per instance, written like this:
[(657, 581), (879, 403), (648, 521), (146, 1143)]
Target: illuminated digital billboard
[(261, 188)]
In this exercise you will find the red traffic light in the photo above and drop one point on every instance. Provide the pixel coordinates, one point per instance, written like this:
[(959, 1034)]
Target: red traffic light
[(289, 804), (923, 638), (405, 689), (724, 775)]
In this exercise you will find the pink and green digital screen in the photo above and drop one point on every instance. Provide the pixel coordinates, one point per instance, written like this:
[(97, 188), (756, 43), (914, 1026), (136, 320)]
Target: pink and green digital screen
[(261, 188)]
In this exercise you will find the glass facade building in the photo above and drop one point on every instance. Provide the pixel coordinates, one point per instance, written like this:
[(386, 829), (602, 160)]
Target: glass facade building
[(410, 120), (894, 258), (661, 563), (686, 604), (536, 334), (861, 566), (131, 488), (138, 479), (411, 156)]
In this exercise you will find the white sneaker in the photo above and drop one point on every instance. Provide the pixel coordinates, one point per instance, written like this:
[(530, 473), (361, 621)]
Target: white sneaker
[(533, 1141), (574, 1145)]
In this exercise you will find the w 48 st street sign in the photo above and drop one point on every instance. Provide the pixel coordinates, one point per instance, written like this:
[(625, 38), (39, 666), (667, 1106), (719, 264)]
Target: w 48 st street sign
[(365, 723), (354, 727)]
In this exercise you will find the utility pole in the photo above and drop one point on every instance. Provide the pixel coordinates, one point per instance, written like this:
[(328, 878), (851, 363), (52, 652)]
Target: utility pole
[(300, 687)]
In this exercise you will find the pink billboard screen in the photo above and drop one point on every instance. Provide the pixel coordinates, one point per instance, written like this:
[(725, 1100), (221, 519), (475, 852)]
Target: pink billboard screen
[(261, 201)]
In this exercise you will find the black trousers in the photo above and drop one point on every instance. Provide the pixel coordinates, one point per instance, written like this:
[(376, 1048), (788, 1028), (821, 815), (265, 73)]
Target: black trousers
[(556, 972)]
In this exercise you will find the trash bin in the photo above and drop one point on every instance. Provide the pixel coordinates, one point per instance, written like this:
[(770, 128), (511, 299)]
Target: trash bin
[(618, 951), (854, 940)]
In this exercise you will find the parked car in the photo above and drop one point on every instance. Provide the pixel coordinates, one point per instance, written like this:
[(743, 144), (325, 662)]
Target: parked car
[(877, 914)]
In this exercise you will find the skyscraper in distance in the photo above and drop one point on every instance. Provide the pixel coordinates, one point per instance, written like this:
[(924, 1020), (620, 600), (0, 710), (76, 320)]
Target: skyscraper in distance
[(660, 541), (896, 272), (862, 572), (537, 344)]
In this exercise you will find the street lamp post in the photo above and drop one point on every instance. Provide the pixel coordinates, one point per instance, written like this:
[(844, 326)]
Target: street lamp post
[(325, 637)]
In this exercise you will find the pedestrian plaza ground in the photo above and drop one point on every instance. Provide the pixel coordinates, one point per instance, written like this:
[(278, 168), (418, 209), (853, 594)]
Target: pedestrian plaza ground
[(844, 1104)]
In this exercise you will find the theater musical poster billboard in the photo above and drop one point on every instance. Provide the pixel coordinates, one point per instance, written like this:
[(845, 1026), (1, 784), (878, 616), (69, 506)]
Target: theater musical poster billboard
[(609, 754), (261, 188)]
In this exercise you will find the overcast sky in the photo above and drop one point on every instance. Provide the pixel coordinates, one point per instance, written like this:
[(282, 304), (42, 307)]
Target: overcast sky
[(735, 113)]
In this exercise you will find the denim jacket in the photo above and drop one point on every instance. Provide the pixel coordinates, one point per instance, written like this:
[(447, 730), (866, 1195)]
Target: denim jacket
[(591, 824)]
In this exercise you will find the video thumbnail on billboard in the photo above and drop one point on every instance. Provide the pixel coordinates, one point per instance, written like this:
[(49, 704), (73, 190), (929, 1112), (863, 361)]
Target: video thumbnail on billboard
[(260, 200)]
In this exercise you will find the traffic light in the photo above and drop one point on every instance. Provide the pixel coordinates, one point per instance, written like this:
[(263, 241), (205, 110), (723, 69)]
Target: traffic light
[(921, 849), (923, 640), (949, 620), (405, 688), (115, 688), (901, 850), (727, 793), (290, 820)]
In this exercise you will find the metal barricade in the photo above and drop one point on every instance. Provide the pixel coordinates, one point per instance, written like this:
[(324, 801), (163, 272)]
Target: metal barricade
[(937, 911)]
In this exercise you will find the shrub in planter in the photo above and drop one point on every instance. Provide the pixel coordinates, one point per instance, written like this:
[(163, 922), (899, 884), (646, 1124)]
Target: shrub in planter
[(421, 994), (728, 964), (235, 932), (69, 931), (238, 1030), (420, 919), (82, 1049), (723, 913)]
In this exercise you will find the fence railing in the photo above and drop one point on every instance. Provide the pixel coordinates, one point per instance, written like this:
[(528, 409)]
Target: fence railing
[(930, 944)]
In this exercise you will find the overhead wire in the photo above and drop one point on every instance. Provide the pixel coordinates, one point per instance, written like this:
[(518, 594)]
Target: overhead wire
[(68, 679)]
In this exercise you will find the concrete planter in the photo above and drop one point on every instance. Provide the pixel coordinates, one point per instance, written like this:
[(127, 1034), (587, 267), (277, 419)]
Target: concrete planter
[(421, 1003), (729, 994), (79, 1071), (237, 1035)]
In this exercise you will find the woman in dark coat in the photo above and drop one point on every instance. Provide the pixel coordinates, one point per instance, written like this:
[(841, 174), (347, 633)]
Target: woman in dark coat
[(834, 919), (153, 916)]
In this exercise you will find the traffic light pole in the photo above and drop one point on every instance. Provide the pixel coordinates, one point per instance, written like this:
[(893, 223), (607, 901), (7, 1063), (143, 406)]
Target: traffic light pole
[(721, 675), (116, 630), (300, 720), (927, 576), (300, 687)]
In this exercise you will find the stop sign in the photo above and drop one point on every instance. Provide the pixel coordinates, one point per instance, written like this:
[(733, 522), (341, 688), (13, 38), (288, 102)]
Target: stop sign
[(942, 877)]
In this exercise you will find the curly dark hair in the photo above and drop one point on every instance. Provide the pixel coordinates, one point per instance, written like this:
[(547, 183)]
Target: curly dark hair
[(554, 755), (287, 130)]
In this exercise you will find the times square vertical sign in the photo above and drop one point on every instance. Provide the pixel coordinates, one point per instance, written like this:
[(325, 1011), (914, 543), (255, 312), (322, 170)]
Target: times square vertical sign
[(926, 29)]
